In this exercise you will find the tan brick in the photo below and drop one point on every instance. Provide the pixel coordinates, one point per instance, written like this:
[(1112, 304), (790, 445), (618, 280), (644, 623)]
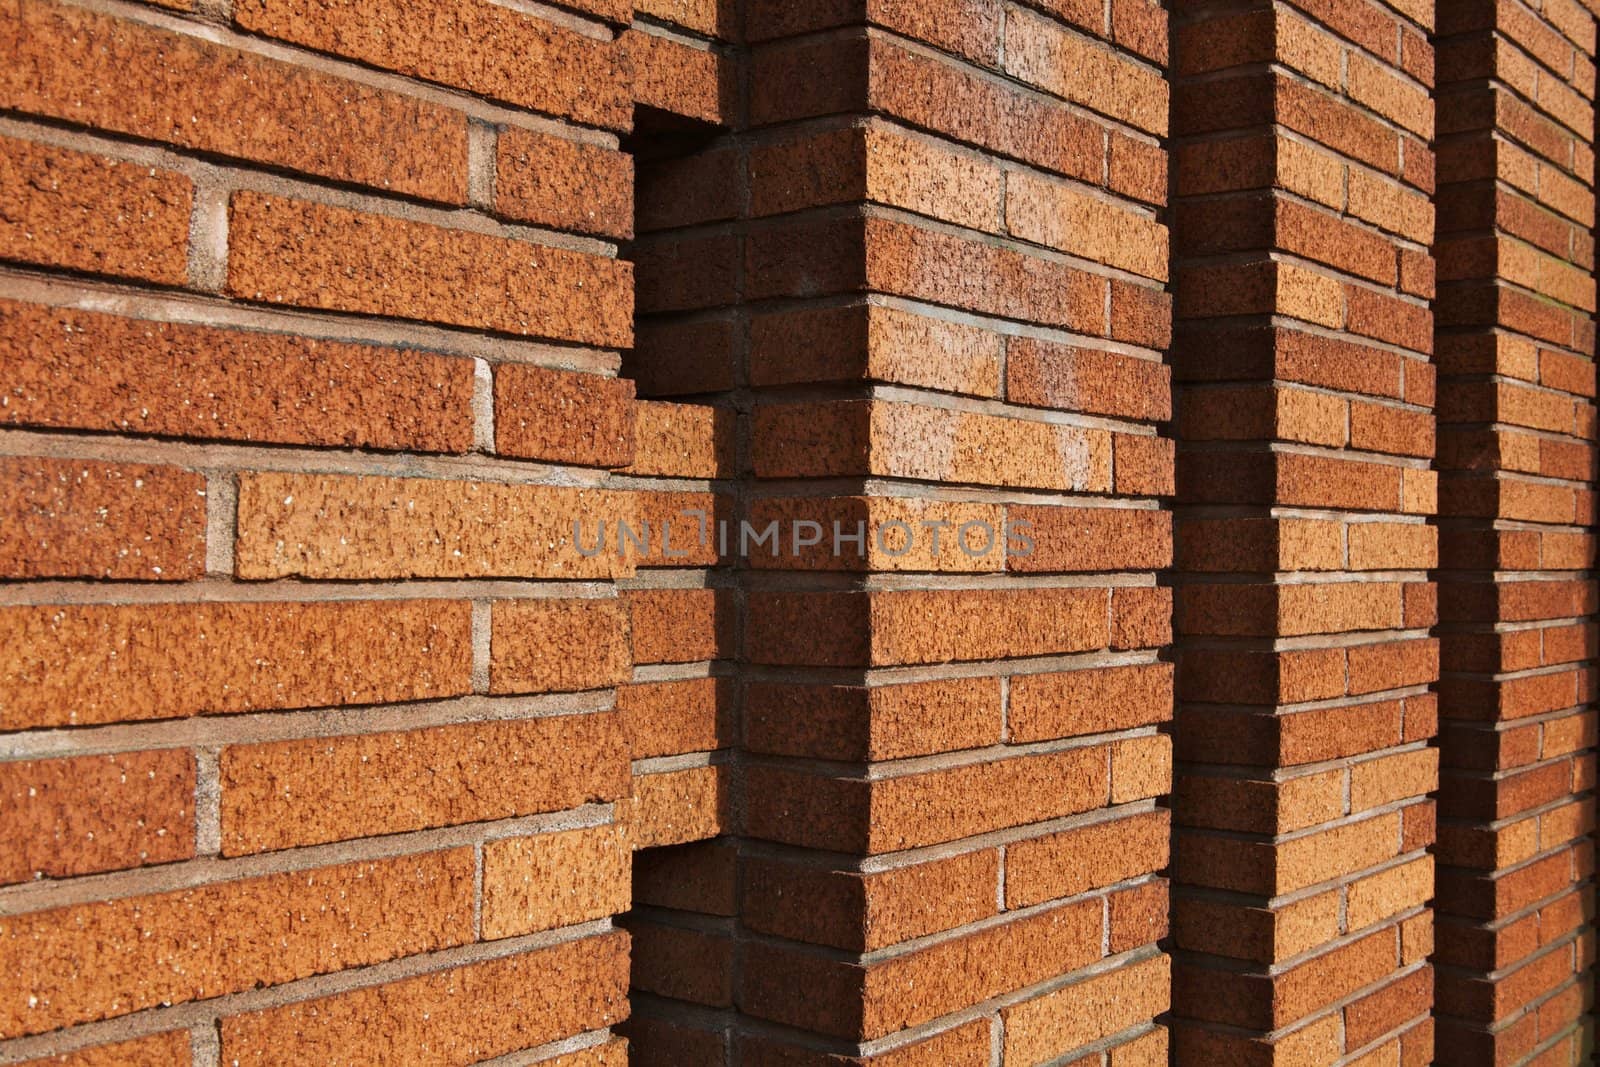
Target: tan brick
[(110, 73), (938, 267), (498, 52), (1341, 850), (1058, 215), (1141, 768), (945, 977), (287, 793), (1389, 893), (77, 519), (81, 665), (558, 645), (1038, 1030), (683, 440), (1382, 781), (562, 417), (313, 255), (344, 527), (60, 208), (97, 813), (1040, 52), (929, 444), (549, 880), (675, 807), (70, 369), (538, 996), (563, 184), (105, 959)]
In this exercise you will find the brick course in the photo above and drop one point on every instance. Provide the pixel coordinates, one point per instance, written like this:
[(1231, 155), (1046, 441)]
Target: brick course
[(356, 358)]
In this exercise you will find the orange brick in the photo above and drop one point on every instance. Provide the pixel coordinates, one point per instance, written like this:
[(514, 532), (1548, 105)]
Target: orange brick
[(672, 718), (80, 665), (675, 807), (558, 645), (303, 254), (683, 440), (669, 74), (563, 184), (80, 212), (515, 57), (680, 625), (562, 417), (1088, 539), (1043, 374), (340, 527), (540, 996), (170, 1049), (95, 520), (97, 813), (203, 942), (923, 809), (287, 793), (863, 913), (1074, 861), (73, 369), (872, 723), (549, 880), (109, 73), (1096, 699), (883, 343), (1041, 1029), (935, 626)]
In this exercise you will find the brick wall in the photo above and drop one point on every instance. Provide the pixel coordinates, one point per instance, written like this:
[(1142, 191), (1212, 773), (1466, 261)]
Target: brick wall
[(324, 736), (310, 333), (1516, 347), (1304, 607)]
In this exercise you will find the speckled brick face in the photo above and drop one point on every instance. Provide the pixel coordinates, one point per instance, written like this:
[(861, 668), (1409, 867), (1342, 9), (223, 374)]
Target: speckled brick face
[(1518, 294), (1302, 602), (741, 533)]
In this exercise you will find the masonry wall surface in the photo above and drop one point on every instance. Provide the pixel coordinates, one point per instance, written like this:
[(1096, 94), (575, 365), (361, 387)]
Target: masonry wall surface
[(327, 736)]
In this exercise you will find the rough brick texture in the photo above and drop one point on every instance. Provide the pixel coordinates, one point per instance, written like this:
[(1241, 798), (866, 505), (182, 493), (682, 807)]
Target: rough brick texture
[(1304, 609), (1516, 460), (946, 248), (756, 533), (310, 741)]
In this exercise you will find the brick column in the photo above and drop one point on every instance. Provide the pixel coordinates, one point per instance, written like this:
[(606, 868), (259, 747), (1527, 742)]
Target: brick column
[(1302, 177), (952, 759), (1517, 422)]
